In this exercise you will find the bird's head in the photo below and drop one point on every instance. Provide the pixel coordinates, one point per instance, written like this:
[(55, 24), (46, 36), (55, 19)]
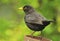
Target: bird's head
[(27, 9)]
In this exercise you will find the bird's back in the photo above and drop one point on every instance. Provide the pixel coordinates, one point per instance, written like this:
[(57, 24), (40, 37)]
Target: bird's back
[(34, 18)]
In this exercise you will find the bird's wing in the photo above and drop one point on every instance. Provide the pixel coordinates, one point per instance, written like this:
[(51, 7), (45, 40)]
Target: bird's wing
[(33, 19), (41, 17)]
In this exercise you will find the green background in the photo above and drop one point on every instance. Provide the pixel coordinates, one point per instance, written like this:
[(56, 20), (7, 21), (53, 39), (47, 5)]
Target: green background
[(13, 27)]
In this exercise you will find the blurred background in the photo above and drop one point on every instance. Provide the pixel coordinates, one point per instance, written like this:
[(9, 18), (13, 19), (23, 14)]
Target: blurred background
[(13, 27)]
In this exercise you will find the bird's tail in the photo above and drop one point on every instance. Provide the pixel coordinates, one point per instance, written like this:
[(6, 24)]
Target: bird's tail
[(54, 20)]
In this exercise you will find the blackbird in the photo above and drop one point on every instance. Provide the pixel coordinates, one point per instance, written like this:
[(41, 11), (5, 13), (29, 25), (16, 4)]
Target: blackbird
[(34, 20)]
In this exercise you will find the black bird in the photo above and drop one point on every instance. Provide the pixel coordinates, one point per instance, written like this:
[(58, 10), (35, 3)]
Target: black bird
[(34, 20)]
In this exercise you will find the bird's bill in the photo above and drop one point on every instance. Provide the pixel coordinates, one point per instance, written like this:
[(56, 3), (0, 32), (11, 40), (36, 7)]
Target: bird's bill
[(20, 8)]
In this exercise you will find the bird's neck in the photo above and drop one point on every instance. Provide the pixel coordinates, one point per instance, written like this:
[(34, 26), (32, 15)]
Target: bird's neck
[(30, 12)]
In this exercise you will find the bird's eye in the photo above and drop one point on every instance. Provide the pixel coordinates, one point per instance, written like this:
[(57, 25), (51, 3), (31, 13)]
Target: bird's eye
[(25, 8)]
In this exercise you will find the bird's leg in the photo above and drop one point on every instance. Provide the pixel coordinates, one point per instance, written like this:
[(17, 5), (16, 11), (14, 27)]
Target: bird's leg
[(41, 35), (32, 32)]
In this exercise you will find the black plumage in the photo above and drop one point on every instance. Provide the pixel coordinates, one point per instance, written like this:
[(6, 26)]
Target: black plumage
[(37, 27), (34, 20)]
